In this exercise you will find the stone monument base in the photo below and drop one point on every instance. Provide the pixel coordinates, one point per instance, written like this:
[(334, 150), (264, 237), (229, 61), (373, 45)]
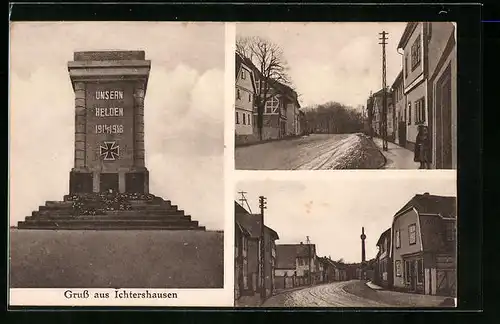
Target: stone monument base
[(110, 211)]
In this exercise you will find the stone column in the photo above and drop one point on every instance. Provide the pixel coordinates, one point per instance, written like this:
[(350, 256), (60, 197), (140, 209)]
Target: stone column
[(121, 182), (96, 181), (139, 154), (80, 125)]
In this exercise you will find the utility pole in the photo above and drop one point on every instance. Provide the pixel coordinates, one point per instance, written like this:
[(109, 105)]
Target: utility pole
[(369, 108), (363, 253), (244, 200), (384, 92), (262, 206), (308, 242)]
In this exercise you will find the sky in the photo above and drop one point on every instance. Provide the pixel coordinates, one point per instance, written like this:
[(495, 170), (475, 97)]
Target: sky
[(184, 132), (339, 61), (332, 210)]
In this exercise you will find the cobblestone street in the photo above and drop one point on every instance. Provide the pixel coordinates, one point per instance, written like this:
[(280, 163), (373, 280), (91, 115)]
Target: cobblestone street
[(353, 293)]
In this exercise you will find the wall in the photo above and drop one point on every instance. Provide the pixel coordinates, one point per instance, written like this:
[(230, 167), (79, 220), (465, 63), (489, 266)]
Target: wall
[(440, 35), (269, 263), (400, 104), (243, 127), (244, 105), (401, 223), (413, 75), (441, 32), (271, 127), (282, 272), (253, 261), (120, 131), (411, 97), (292, 127)]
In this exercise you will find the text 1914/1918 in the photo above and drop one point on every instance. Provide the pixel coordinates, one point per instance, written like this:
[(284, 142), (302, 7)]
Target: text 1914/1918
[(108, 129)]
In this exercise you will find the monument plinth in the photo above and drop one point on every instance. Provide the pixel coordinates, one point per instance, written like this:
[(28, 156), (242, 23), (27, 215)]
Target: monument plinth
[(109, 183)]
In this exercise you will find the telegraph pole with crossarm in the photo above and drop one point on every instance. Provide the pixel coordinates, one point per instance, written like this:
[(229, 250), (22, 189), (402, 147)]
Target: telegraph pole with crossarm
[(383, 39), (262, 206)]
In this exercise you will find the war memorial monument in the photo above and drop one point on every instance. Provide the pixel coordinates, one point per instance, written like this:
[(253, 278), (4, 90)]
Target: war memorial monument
[(109, 184), (109, 230)]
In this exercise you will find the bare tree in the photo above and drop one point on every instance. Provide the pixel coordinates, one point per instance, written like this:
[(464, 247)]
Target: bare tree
[(268, 59)]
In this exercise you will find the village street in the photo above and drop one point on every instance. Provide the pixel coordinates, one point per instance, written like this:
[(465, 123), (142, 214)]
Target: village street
[(313, 152), (353, 293)]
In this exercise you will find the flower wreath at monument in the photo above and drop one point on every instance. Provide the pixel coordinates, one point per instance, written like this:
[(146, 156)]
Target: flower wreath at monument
[(99, 203)]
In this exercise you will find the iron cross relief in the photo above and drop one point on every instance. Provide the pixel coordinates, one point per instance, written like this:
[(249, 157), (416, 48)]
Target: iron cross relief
[(110, 151)]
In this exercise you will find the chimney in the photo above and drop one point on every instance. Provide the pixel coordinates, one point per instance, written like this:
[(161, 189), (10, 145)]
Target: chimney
[(426, 194), (301, 243)]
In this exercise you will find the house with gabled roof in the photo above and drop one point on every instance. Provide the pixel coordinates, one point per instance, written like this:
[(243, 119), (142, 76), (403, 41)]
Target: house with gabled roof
[(383, 267), (244, 98), (257, 275), (298, 261), (423, 245), (281, 115)]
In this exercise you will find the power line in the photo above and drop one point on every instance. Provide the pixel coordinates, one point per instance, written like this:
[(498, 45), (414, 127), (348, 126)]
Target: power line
[(244, 200)]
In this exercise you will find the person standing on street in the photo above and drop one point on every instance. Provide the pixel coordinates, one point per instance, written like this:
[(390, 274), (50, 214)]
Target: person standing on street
[(422, 148)]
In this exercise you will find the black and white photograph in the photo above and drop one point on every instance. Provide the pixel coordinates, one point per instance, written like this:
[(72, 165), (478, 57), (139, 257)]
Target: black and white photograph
[(116, 162), (346, 95), (354, 240)]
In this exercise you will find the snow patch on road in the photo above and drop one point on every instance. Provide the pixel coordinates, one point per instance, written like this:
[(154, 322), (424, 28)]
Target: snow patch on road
[(354, 152)]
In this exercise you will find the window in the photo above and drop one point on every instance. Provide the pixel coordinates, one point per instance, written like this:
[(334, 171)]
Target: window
[(420, 111), (420, 271), (415, 53), (272, 105), (249, 120), (398, 268), (249, 97), (238, 94), (429, 31), (409, 113), (244, 119), (243, 74), (398, 239), (450, 231), (237, 118), (412, 229), (406, 66)]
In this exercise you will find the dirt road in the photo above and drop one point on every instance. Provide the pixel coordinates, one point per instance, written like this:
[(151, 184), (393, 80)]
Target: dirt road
[(314, 152)]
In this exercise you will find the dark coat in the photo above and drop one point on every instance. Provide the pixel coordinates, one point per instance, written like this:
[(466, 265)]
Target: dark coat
[(422, 149)]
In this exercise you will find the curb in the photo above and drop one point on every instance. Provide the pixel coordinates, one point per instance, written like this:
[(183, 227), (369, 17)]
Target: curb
[(266, 141), (383, 156)]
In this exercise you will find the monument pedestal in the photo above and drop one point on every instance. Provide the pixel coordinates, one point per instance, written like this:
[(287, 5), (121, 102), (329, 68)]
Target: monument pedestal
[(129, 181)]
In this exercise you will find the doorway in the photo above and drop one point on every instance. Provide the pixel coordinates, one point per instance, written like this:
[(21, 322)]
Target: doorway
[(109, 181), (402, 133), (443, 121)]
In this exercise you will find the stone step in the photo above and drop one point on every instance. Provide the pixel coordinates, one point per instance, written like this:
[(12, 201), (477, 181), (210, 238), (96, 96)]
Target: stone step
[(97, 205), (107, 217), (112, 222), (150, 203), (55, 208), (56, 204), (124, 213), (154, 200), (99, 226)]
